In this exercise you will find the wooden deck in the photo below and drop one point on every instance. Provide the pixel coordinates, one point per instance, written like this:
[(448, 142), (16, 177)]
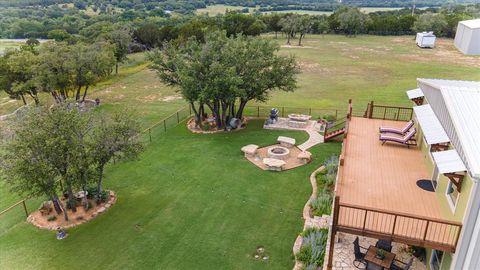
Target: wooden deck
[(377, 195), (383, 177)]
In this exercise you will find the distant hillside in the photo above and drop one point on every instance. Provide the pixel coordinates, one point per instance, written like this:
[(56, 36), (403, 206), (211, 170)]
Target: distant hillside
[(190, 5)]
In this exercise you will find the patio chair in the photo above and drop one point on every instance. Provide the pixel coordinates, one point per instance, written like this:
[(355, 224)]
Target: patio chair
[(359, 261), (395, 130), (407, 140), (406, 266), (384, 244)]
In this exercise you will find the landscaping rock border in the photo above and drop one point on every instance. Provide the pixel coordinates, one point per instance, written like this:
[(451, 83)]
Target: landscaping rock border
[(322, 222), (74, 222), (191, 127)]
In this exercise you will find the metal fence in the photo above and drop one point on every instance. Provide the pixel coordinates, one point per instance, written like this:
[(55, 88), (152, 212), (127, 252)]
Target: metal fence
[(16, 213)]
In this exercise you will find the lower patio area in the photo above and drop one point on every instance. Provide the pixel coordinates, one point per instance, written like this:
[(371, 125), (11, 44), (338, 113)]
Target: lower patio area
[(344, 252)]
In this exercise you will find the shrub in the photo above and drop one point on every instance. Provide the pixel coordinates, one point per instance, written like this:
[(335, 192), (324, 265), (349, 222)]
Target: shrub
[(92, 191), (87, 205), (71, 203), (104, 196), (329, 117), (331, 165), (51, 218), (312, 252), (322, 204)]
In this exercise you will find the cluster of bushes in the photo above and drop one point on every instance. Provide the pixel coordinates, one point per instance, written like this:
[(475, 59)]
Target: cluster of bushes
[(326, 179), (312, 251)]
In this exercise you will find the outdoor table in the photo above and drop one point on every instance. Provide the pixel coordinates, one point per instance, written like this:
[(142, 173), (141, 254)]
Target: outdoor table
[(375, 263)]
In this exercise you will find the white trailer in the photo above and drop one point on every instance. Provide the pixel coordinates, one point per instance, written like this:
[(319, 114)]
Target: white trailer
[(467, 38), (425, 40)]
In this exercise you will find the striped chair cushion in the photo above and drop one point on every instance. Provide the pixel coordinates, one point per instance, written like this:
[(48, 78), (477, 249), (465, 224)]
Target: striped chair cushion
[(395, 130)]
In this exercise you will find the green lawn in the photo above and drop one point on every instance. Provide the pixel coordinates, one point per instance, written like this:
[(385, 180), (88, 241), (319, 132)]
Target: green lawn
[(189, 202)]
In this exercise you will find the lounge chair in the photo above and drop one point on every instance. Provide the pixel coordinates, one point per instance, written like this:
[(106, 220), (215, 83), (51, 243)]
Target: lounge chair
[(395, 130), (406, 266), (407, 140), (359, 261)]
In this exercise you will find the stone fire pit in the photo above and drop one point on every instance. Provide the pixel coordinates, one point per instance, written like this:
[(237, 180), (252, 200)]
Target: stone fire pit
[(278, 152)]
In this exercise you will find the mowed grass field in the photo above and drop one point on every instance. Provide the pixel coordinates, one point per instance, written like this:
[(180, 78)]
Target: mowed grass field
[(191, 201)]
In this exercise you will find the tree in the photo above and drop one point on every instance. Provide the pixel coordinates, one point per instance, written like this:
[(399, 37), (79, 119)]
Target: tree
[(303, 25), (272, 22), (289, 26), (431, 22), (148, 35), (90, 63), (54, 72), (352, 21), (18, 69), (58, 35), (120, 38), (224, 71), (114, 137)]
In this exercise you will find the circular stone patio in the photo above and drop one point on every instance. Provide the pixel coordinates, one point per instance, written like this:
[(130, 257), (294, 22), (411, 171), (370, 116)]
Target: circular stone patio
[(291, 161)]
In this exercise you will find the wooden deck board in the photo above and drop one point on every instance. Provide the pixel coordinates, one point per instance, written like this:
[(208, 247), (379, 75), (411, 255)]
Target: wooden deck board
[(384, 177)]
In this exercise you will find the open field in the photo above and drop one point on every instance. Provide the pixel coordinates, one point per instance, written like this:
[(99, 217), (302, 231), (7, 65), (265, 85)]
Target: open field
[(191, 201), (334, 69), (7, 44), (214, 10)]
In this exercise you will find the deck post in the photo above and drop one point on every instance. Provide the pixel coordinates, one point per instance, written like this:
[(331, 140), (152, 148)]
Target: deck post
[(336, 210), (370, 112)]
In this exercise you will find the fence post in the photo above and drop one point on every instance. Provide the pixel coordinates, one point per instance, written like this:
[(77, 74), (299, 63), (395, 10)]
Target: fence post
[(283, 111), (165, 125), (258, 111), (178, 118), (25, 208), (310, 111), (150, 134), (190, 109), (336, 114)]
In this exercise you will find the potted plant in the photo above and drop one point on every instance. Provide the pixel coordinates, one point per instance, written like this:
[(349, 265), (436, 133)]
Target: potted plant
[(380, 254)]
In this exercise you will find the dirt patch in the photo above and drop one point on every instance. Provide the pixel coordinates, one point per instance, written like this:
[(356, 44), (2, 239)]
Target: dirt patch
[(297, 47), (171, 98), (75, 219), (314, 67)]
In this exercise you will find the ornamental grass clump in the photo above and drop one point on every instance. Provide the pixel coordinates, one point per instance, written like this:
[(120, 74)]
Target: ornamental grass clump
[(312, 251)]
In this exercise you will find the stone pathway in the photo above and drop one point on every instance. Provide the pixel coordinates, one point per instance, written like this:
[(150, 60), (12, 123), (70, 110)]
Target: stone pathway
[(315, 138)]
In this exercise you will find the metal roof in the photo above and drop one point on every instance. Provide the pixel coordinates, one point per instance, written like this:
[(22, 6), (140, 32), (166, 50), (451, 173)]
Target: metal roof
[(414, 93), (448, 161), (462, 101), (471, 23), (431, 127)]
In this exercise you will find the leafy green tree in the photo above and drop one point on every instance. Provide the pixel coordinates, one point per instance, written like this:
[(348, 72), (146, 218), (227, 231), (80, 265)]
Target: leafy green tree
[(18, 68), (289, 26), (58, 35), (352, 21), (120, 37), (223, 72), (303, 25), (113, 137), (55, 72), (431, 22), (272, 22)]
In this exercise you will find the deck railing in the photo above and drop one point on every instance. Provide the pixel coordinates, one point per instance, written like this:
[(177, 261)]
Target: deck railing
[(398, 227), (388, 112)]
